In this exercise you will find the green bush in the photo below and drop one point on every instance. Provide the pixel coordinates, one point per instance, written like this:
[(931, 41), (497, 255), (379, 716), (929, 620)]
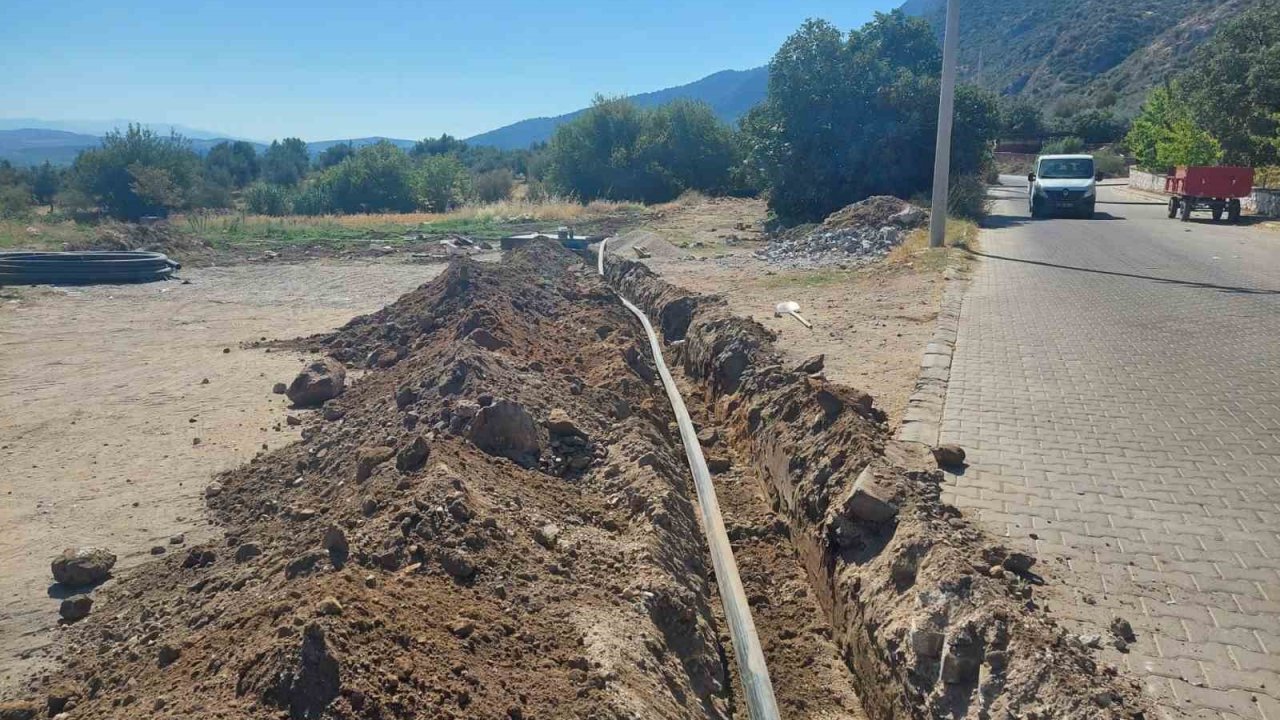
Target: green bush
[(15, 202), (494, 185), (263, 198), (314, 198), (967, 198), (378, 178), (1063, 146), (442, 183), (1110, 164), (285, 162), (1165, 135)]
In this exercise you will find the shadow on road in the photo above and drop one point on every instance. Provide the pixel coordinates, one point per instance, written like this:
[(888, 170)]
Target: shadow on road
[(1008, 221), (1172, 281), (1123, 202)]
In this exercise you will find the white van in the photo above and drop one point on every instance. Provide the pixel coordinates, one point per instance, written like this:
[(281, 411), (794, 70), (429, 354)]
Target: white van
[(1063, 184)]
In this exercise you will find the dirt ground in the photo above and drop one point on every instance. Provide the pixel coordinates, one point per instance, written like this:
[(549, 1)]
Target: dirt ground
[(872, 323), (105, 397)]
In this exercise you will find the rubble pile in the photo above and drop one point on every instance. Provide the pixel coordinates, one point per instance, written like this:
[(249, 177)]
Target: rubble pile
[(858, 233)]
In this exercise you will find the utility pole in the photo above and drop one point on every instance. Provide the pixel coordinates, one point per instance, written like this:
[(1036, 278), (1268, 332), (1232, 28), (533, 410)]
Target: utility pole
[(946, 112)]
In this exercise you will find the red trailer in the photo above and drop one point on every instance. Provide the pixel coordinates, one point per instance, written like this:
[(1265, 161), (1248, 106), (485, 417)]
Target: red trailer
[(1216, 189)]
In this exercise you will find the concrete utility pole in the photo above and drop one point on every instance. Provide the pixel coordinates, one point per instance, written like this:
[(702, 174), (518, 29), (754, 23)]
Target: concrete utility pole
[(946, 112)]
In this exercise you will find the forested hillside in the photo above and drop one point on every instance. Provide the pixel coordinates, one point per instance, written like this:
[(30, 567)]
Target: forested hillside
[(1086, 53)]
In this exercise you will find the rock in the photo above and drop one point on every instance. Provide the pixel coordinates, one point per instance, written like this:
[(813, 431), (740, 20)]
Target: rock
[(413, 454), (487, 340), (1018, 562), (329, 606), (1122, 629), (708, 437), (1091, 641), (405, 396), (20, 710), (74, 608), (166, 655), (319, 381), (506, 429), (949, 456), (178, 539), (547, 536), (812, 364), (292, 420), (462, 628), (925, 640), (718, 464), (213, 490), (457, 564), (77, 567), (872, 498), (199, 556), (279, 388), (370, 457), (335, 541), (248, 551), (558, 423), (332, 413), (158, 550)]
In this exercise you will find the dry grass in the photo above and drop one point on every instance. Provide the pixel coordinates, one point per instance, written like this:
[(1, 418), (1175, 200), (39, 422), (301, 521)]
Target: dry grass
[(961, 235), (34, 234)]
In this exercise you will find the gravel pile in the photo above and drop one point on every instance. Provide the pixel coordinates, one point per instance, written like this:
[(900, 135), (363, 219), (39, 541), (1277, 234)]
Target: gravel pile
[(856, 234)]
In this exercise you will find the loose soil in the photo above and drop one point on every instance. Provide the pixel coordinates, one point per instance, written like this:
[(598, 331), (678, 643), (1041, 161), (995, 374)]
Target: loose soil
[(104, 398)]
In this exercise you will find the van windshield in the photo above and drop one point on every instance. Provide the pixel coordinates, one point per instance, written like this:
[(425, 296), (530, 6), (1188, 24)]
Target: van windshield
[(1066, 168)]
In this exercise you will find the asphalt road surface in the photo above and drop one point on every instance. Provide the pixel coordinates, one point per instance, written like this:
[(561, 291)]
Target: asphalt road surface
[(1117, 385)]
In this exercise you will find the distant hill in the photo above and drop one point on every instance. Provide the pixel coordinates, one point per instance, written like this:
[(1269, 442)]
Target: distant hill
[(34, 146), (102, 127), (1085, 53), (730, 93)]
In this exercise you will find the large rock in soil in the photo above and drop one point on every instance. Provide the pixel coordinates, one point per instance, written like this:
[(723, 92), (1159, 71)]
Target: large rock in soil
[(77, 567), (319, 381), (506, 429)]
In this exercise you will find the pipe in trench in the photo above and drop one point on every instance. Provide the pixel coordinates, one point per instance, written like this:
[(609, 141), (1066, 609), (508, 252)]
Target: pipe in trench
[(756, 685)]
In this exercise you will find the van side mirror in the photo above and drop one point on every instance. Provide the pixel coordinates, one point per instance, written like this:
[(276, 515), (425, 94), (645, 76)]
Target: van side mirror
[(1098, 177), (1031, 177)]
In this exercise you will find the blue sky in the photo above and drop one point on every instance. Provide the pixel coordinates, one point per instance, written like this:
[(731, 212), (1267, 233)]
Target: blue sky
[(402, 69)]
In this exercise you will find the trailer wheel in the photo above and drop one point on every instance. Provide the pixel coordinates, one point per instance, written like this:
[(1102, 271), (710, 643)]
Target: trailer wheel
[(1173, 207), (1217, 213), (1233, 211), (1184, 210)]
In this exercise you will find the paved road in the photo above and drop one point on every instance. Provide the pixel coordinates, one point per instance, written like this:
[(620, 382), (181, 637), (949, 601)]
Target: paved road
[(1117, 384)]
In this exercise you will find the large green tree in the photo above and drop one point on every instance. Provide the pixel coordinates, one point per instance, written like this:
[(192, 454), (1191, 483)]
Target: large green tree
[(1164, 134), (377, 178), (1233, 86), (851, 116), (137, 172), (231, 164), (285, 162)]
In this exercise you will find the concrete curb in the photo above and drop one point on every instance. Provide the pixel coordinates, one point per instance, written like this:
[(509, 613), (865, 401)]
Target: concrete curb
[(922, 420)]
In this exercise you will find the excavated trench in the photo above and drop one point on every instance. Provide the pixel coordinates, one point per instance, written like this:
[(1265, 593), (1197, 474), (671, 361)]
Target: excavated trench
[(496, 521)]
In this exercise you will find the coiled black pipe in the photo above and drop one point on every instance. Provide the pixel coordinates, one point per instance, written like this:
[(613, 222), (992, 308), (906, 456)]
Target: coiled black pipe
[(84, 268)]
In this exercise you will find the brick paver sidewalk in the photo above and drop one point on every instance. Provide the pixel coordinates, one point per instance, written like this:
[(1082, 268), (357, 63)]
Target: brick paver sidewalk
[(1117, 386)]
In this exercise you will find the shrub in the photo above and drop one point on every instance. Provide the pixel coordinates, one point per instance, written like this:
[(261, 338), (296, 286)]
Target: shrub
[(378, 178), (442, 183), (1063, 146), (15, 201), (967, 198), (285, 162), (494, 185), (314, 198), (1110, 164), (262, 198)]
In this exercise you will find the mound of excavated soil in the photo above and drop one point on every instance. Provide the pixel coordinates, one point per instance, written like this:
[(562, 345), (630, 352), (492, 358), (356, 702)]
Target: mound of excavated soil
[(495, 524)]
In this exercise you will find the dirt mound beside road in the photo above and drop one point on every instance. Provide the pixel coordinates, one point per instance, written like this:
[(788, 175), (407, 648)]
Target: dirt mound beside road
[(862, 232), (388, 566)]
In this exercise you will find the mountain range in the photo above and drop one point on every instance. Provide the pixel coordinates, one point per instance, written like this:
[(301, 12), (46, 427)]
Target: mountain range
[(1066, 56)]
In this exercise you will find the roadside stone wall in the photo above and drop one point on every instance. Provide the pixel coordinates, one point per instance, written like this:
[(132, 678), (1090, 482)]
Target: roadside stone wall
[(1266, 202), (1150, 182)]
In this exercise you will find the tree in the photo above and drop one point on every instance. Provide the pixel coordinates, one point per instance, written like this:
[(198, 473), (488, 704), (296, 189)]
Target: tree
[(1165, 135), (1020, 118), (442, 183), (1094, 126), (1233, 87), (137, 172), (444, 145), (846, 118), (686, 147), (334, 154), (593, 155), (232, 164), (285, 162), (377, 178), (45, 183), (493, 185)]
